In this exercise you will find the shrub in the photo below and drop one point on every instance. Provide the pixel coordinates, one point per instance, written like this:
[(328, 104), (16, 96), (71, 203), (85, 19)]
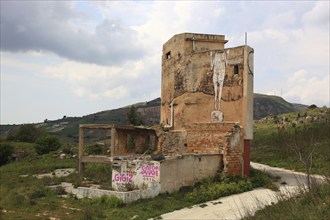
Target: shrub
[(26, 133), (209, 190), (59, 190), (47, 144), (68, 150), (6, 151), (109, 201), (15, 199), (312, 106), (96, 149), (38, 193)]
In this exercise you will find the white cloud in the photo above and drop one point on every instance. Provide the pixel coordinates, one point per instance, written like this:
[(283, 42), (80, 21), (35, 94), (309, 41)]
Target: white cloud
[(304, 87), (280, 20), (282, 46), (116, 93), (76, 72), (89, 80), (318, 16), (298, 77), (57, 27), (8, 62), (97, 82), (112, 50)]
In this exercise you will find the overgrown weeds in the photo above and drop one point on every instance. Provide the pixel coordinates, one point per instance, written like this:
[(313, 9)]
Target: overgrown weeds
[(282, 145), (314, 204), (219, 186), (275, 144), (26, 196)]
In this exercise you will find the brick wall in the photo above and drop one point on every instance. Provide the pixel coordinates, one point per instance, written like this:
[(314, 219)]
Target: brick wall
[(173, 142), (208, 138)]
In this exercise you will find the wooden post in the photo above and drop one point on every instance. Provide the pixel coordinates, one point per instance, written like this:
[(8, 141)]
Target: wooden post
[(246, 157), (113, 141), (81, 150)]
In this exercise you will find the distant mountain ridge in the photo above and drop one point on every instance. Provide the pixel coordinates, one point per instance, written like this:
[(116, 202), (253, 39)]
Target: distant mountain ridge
[(264, 105)]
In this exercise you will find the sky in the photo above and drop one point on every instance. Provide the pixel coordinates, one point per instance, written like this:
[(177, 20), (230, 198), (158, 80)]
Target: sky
[(74, 58)]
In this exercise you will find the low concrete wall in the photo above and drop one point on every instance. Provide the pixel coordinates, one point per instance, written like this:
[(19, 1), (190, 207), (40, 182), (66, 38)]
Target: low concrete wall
[(185, 170), (142, 174), (154, 177), (127, 197)]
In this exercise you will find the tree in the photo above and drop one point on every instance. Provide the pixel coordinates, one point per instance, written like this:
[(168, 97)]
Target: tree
[(27, 133), (312, 106), (6, 152), (47, 144), (133, 116), (303, 140)]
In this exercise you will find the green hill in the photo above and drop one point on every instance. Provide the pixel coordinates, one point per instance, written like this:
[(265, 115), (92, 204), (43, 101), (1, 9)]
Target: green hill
[(67, 127), (264, 105)]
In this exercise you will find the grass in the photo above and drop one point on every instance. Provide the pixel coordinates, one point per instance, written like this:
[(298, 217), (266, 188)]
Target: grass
[(26, 197), (30, 198), (311, 205), (211, 188), (268, 146)]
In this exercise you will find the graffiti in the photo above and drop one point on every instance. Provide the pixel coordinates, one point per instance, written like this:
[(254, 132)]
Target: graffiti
[(218, 66), (149, 171), (123, 177)]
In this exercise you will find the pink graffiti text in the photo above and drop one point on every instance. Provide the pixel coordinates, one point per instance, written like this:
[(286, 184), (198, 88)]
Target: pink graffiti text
[(150, 171), (123, 177)]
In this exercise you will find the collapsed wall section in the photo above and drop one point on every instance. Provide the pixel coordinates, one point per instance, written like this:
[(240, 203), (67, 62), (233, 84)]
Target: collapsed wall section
[(225, 139)]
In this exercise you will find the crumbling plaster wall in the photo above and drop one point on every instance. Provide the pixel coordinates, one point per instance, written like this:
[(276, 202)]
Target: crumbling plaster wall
[(173, 142), (187, 82), (164, 176), (224, 139), (185, 170), (203, 123)]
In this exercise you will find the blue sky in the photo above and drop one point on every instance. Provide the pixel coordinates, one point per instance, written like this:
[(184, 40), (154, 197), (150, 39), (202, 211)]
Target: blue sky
[(75, 58)]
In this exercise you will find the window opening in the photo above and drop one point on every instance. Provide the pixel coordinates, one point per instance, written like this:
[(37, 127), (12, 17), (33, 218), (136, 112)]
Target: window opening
[(168, 55), (235, 69)]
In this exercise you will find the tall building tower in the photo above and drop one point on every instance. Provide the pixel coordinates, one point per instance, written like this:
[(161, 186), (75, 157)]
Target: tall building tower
[(207, 90)]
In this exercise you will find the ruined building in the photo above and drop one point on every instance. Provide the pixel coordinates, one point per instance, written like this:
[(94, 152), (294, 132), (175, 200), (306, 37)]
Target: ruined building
[(207, 99), (206, 120)]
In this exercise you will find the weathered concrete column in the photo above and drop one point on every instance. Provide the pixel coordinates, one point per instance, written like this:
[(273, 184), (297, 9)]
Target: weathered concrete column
[(81, 150), (113, 141)]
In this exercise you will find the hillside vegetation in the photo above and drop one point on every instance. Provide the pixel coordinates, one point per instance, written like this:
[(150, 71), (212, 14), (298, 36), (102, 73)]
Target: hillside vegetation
[(264, 105), (270, 146), (25, 196), (273, 145), (67, 127)]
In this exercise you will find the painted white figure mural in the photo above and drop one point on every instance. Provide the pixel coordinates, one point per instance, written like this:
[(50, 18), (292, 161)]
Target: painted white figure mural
[(218, 66)]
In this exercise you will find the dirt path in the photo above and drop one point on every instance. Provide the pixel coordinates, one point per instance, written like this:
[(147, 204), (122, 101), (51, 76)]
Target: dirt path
[(241, 205)]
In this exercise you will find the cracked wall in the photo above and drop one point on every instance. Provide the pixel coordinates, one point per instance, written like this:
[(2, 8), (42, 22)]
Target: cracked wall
[(204, 87)]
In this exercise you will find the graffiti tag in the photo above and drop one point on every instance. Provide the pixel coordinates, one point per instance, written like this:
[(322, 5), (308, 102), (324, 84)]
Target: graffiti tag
[(123, 177), (149, 171)]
